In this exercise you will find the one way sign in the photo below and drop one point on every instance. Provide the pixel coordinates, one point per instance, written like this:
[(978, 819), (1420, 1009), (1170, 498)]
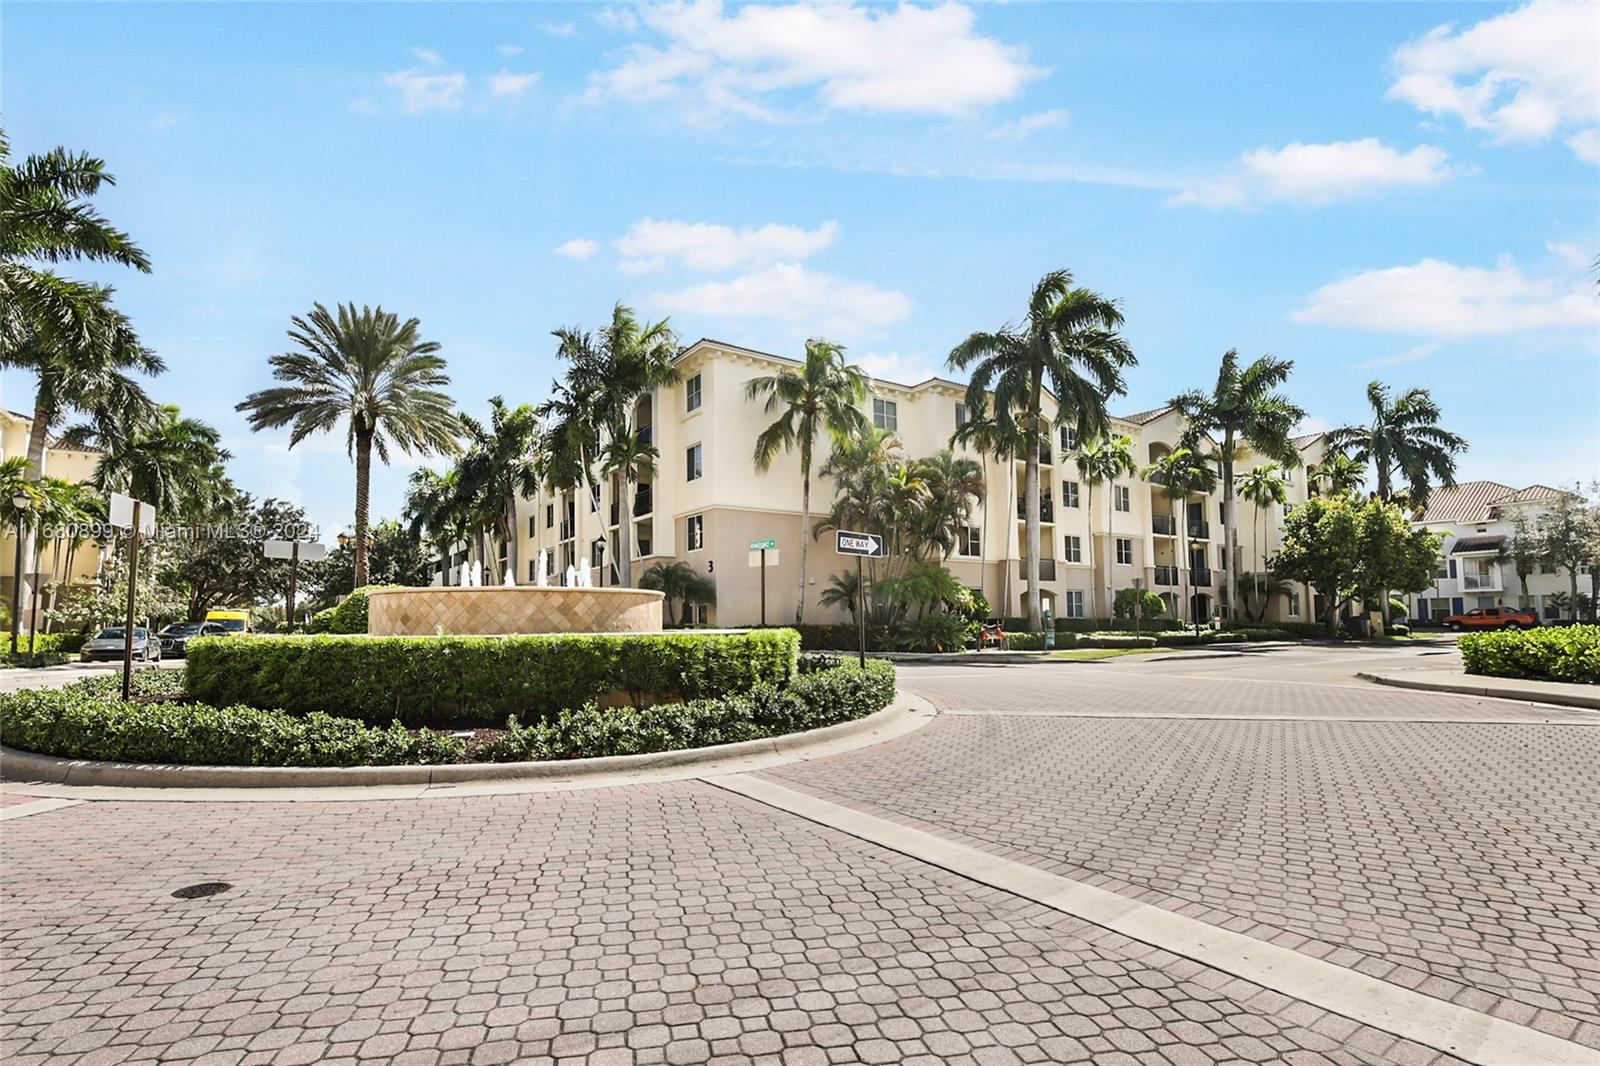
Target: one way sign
[(868, 544)]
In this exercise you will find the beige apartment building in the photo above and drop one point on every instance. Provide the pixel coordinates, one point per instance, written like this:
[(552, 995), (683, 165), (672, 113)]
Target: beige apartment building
[(70, 464), (708, 504)]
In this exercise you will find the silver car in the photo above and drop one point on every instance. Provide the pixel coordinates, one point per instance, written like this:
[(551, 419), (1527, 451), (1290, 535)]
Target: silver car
[(107, 646)]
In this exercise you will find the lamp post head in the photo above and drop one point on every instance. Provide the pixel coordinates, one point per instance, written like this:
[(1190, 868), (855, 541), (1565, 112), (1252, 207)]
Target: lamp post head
[(22, 501)]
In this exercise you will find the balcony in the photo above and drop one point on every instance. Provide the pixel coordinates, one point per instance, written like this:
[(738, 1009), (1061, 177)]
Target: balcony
[(1047, 569), (1199, 529), (566, 531), (1200, 576), (645, 434), (1164, 524), (1480, 583), (1047, 509), (643, 504), (1166, 575)]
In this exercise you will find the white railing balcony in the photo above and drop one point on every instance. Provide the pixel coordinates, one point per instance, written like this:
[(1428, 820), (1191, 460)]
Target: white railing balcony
[(1480, 582)]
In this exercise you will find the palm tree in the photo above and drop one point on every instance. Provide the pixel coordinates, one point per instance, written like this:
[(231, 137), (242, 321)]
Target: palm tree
[(823, 396), (1338, 473), (638, 360), (627, 458), (954, 484), (842, 591), (569, 445), (434, 509), (1181, 473), (1264, 487), (1100, 463), (1242, 408), (375, 373), (678, 582), (173, 463), (993, 441), (1403, 440), (1070, 339), (498, 468)]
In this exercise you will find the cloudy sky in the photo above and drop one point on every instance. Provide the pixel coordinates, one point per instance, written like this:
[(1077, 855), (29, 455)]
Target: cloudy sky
[(1397, 191)]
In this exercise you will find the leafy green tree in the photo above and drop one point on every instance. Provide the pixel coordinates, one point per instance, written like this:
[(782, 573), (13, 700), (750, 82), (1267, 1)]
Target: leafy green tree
[(1523, 550), (1181, 473), (497, 469), (232, 570), (1244, 407), (1403, 441), (394, 557), (1566, 539), (823, 396), (1151, 605), (371, 372), (954, 486), (1102, 463), (1070, 342), (679, 582), (434, 509), (1346, 547)]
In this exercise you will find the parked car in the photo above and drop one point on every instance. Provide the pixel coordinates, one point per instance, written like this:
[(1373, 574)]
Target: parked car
[(1492, 618), (230, 620), (108, 644), (175, 638)]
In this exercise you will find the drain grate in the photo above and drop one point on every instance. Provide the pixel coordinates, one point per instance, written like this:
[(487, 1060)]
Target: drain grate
[(202, 890)]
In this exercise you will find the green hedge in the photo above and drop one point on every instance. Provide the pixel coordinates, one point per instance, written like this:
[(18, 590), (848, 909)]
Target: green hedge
[(67, 643), (842, 636), (83, 722), (821, 695), (1570, 653), (442, 680)]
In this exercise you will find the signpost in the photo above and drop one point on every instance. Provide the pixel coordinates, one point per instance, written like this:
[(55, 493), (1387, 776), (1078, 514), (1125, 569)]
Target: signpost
[(758, 557), (294, 551), (862, 546), (137, 517)]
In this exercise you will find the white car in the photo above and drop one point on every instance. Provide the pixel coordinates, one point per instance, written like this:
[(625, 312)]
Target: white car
[(108, 646)]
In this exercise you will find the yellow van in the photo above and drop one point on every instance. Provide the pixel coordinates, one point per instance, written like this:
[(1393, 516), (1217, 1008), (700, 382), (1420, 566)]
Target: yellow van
[(232, 621)]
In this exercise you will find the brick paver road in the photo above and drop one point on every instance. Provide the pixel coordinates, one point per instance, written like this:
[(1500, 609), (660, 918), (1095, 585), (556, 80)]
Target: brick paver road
[(681, 923)]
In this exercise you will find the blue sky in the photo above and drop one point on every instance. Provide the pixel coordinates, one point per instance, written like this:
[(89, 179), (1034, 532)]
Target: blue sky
[(1397, 191)]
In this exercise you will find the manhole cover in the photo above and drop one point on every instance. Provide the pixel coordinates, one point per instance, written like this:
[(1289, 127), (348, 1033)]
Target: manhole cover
[(203, 889)]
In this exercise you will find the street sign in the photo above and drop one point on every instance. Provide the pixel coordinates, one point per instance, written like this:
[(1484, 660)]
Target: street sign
[(866, 544), (763, 545), (122, 514), (763, 557), (285, 549)]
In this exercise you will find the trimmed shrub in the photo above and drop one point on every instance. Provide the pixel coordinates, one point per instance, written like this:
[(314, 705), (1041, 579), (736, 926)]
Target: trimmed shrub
[(350, 616), (80, 722), (841, 636), (936, 632), (826, 691), (66, 643), (443, 680), (322, 621), (1570, 653), (1115, 640)]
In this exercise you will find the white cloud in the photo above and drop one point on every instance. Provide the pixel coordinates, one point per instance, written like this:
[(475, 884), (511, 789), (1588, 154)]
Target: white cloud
[(558, 29), (1569, 254), (1585, 144), (1319, 174), (428, 56), (1437, 298), (510, 49), (504, 84), (619, 19), (1410, 355), (790, 293), (578, 248), (905, 59), (1524, 75), (705, 247), (1019, 130), (902, 368), (421, 91)]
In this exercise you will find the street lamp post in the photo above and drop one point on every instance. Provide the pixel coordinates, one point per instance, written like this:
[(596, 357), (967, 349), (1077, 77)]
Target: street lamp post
[(21, 501)]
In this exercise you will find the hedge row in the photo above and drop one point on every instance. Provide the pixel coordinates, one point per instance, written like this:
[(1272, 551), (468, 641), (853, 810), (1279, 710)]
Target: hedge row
[(841, 692), (80, 722), (1570, 653), (1035, 641), (445, 680)]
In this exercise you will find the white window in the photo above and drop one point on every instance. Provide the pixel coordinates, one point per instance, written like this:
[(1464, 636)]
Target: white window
[(1294, 605), (696, 614), (694, 466), (1074, 604), (1069, 439), (1124, 551), (1121, 498), (694, 532), (1069, 494), (970, 541), (885, 414), (963, 416), (691, 391), (1074, 549)]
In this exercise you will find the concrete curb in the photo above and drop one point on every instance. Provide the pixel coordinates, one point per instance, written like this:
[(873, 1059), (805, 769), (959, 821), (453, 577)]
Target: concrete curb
[(1493, 688), (30, 766)]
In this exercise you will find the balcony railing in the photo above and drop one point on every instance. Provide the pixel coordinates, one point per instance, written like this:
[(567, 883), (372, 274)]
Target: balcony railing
[(566, 531), (1047, 569), (1166, 575), (1480, 582), (1047, 509), (1200, 575), (643, 504), (1163, 524), (645, 433), (1199, 530)]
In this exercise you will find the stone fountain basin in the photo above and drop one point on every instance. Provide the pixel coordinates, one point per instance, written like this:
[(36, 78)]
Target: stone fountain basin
[(501, 610)]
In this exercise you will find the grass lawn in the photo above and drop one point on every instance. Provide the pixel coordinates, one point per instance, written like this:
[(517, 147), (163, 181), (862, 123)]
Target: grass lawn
[(1102, 653)]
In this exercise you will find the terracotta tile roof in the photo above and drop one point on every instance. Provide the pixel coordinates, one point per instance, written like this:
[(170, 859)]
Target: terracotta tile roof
[(1306, 440), (1531, 494), (1140, 418), (1468, 501)]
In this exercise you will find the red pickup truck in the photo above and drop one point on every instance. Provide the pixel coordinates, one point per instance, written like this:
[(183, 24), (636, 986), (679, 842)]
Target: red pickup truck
[(1493, 618)]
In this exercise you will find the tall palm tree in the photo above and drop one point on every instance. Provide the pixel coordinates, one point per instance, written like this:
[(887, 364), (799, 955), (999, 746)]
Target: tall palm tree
[(954, 485), (498, 468), (639, 358), (1103, 463), (1402, 441), (1264, 487), (434, 509), (1244, 407), (173, 463), (1070, 341), (569, 445), (824, 395), (627, 458), (1338, 473), (371, 371), (1181, 473)]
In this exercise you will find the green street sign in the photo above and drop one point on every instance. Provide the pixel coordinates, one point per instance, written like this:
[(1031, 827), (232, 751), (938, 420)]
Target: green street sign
[(763, 545)]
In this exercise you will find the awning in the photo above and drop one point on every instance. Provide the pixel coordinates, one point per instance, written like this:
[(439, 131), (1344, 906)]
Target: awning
[(1472, 545)]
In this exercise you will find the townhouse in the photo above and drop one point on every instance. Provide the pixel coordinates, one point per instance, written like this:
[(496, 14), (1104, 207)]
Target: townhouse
[(69, 464), (707, 505)]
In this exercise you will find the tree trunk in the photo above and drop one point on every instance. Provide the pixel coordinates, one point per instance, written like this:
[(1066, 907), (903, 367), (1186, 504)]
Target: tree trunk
[(509, 507), (805, 528), (1230, 534), (37, 434), (1031, 507), (625, 532), (1005, 562), (1572, 604), (363, 476), (1181, 560), (1088, 528), (983, 546)]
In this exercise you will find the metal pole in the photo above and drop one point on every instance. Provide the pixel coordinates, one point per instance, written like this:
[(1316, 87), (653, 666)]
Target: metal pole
[(133, 587), (861, 613), (16, 589), (33, 607), (294, 574), (763, 588)]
